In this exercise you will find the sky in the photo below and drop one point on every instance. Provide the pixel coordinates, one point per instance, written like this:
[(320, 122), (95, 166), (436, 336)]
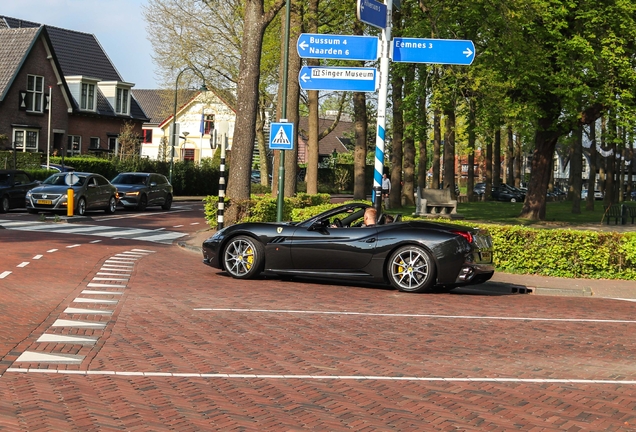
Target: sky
[(118, 25)]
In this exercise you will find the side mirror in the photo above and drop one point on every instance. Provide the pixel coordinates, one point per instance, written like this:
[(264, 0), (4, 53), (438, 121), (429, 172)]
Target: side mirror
[(153, 184)]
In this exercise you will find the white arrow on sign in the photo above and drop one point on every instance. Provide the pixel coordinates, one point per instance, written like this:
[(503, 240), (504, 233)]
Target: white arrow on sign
[(468, 52), (305, 77), (303, 45)]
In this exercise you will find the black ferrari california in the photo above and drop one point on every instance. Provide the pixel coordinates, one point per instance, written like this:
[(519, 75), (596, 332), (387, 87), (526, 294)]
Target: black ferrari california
[(413, 256)]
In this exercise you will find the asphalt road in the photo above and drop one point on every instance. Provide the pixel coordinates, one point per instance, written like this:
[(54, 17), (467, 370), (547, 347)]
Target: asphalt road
[(107, 324)]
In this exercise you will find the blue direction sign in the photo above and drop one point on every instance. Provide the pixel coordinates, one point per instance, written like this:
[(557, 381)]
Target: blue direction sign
[(281, 136), (326, 46), (337, 78), (436, 51), (372, 12)]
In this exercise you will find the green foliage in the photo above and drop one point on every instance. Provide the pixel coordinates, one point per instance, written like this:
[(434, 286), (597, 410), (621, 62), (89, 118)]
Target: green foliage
[(23, 160)]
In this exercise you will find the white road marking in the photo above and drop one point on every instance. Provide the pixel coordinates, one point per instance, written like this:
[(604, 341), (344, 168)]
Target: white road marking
[(119, 263), (51, 250), (93, 292), (194, 223), (4, 274), (93, 300), (79, 324), (70, 310), (73, 246), (475, 317), (95, 241), (143, 250), (47, 337), (327, 377), (39, 357), (109, 279), (101, 285), (177, 226), (113, 274), (37, 257), (24, 264)]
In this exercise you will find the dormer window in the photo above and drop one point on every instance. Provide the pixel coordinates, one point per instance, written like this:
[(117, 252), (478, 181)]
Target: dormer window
[(87, 98), (122, 101), (35, 93)]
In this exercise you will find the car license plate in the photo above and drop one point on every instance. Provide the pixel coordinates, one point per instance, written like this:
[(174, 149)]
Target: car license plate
[(45, 202), (485, 256)]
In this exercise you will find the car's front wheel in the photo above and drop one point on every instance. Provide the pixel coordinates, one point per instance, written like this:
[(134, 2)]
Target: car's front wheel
[(411, 269), (4, 206), (81, 206), (513, 199), (243, 257), (168, 203), (112, 205), (143, 203)]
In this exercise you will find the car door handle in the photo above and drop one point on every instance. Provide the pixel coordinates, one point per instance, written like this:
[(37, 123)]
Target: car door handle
[(371, 240)]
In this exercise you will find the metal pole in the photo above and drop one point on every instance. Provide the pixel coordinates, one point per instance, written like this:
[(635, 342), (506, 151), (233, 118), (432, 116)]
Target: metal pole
[(221, 204), (382, 98), (173, 135), (48, 138), (281, 161)]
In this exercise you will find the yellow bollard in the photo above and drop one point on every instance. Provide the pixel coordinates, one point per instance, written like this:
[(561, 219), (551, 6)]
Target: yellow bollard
[(70, 199)]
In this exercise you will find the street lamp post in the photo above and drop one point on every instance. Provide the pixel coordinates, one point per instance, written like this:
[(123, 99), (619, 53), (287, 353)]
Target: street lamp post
[(175, 132)]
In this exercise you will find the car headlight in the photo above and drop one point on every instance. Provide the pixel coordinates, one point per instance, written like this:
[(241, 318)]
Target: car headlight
[(132, 193), (28, 195)]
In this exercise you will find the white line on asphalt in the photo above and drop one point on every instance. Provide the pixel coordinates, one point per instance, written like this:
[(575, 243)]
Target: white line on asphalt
[(326, 377), (52, 250), (177, 226), (194, 223), (95, 241), (109, 279), (37, 257), (113, 274), (73, 246), (4, 274), (100, 285), (476, 317), (23, 264), (102, 292)]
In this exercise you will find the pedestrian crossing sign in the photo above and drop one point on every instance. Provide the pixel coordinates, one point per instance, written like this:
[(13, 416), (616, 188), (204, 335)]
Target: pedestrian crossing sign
[(281, 136)]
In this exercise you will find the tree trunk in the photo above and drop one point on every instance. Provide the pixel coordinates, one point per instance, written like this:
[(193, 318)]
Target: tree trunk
[(262, 146), (293, 95), (397, 83), (255, 21), (544, 145), (360, 118), (518, 164), (437, 142), (422, 135), (470, 185), (311, 176), (408, 164), (496, 160), (576, 170), (449, 151), (488, 191), (510, 158), (591, 181)]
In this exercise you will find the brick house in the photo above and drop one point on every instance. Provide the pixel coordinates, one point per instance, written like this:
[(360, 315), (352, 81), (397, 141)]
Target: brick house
[(60, 77)]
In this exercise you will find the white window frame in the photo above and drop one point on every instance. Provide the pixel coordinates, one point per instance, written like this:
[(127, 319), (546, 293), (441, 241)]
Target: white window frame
[(90, 145), (30, 136), (69, 145), (88, 99), (35, 93), (122, 101)]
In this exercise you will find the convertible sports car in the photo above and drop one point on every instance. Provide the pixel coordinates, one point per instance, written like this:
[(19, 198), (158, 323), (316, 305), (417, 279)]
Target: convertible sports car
[(412, 256)]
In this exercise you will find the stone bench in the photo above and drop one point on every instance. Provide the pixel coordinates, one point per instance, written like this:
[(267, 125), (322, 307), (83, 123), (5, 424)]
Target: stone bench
[(435, 203)]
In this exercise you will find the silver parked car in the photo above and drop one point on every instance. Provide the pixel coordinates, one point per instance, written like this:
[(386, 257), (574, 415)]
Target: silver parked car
[(140, 190), (90, 192)]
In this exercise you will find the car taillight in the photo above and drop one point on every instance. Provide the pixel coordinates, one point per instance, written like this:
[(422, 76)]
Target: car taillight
[(468, 236)]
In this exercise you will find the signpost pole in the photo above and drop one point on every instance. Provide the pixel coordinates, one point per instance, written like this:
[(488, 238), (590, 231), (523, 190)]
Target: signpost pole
[(382, 97)]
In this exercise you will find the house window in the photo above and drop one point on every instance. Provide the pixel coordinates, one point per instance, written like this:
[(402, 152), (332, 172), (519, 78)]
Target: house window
[(112, 144), (35, 93), (94, 144), (74, 145), (146, 136), (87, 99), (208, 124), (25, 140), (121, 104)]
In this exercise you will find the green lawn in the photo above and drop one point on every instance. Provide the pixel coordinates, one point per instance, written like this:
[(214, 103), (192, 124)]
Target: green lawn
[(557, 213)]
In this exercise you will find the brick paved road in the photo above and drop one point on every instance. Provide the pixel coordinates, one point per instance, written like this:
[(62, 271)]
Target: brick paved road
[(184, 348)]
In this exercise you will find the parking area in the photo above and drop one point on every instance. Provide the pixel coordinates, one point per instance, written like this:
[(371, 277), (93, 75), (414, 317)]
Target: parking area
[(187, 348)]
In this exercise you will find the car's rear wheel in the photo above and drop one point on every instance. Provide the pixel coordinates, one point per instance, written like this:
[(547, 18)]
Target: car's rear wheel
[(411, 269), (513, 199), (143, 203), (168, 203), (4, 205), (243, 257), (112, 205), (81, 206)]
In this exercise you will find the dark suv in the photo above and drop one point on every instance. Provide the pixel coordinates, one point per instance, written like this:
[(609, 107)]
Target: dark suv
[(14, 184), (503, 192), (140, 190)]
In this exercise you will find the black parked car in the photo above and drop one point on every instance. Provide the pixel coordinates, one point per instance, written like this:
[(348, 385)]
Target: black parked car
[(140, 190), (412, 256), (14, 185), (503, 192), (90, 192)]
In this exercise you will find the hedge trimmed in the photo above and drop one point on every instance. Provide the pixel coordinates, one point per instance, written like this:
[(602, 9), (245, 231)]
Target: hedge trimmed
[(547, 252)]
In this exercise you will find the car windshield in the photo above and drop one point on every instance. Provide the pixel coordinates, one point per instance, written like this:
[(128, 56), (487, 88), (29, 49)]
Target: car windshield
[(5, 180), (131, 179), (60, 180)]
